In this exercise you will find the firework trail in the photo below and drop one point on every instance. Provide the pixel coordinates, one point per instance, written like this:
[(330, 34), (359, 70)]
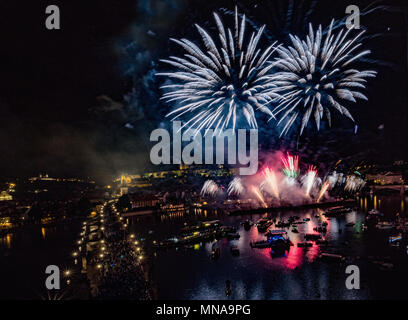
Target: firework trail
[(258, 194), (291, 166), (235, 187), (271, 182), (215, 84), (315, 74), (209, 188), (323, 190), (309, 179)]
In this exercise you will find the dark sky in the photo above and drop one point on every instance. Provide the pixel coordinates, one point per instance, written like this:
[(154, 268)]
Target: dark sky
[(51, 117)]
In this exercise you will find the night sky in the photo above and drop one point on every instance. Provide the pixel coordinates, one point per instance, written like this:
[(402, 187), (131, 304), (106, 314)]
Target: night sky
[(82, 101)]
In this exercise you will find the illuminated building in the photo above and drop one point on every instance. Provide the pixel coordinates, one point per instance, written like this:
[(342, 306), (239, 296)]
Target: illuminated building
[(145, 179), (385, 178), (5, 196)]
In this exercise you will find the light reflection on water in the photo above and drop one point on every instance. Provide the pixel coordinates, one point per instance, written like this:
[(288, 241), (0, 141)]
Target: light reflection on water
[(26, 252), (255, 274)]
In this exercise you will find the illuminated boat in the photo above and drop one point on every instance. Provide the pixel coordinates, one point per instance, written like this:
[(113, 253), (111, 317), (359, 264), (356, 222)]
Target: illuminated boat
[(277, 240), (263, 224), (384, 225), (337, 211), (374, 212), (202, 225)]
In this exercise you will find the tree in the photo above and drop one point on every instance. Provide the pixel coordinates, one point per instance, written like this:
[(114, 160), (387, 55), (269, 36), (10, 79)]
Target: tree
[(35, 213), (84, 207), (124, 202)]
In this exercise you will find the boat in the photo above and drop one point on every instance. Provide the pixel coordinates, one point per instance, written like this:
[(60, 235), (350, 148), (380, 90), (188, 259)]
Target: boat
[(260, 244), (295, 230), (225, 231), (293, 218), (384, 225), (278, 242), (234, 250), (312, 236), (282, 224), (201, 225), (322, 242), (228, 229), (337, 211), (331, 257), (274, 232), (183, 240), (395, 238), (305, 244), (374, 212), (263, 224)]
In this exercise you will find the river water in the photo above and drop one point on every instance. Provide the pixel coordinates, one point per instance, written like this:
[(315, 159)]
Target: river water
[(189, 273), (25, 254)]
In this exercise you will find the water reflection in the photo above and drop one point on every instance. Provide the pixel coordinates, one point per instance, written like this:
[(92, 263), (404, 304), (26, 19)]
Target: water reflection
[(256, 273)]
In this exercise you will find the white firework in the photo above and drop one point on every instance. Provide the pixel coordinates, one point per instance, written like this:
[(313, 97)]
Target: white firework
[(333, 179), (235, 187), (315, 74), (354, 183), (209, 188), (214, 84)]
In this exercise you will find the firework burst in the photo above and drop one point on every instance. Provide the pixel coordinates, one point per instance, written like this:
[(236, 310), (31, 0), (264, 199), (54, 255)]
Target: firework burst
[(309, 179), (270, 183), (214, 84), (291, 166), (316, 74), (354, 183), (209, 188), (235, 187)]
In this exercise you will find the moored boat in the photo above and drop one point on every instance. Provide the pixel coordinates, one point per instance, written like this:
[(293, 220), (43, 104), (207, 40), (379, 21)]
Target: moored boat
[(263, 224)]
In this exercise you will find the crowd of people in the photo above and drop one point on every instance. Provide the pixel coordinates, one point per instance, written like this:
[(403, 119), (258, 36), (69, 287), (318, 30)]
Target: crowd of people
[(120, 271)]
